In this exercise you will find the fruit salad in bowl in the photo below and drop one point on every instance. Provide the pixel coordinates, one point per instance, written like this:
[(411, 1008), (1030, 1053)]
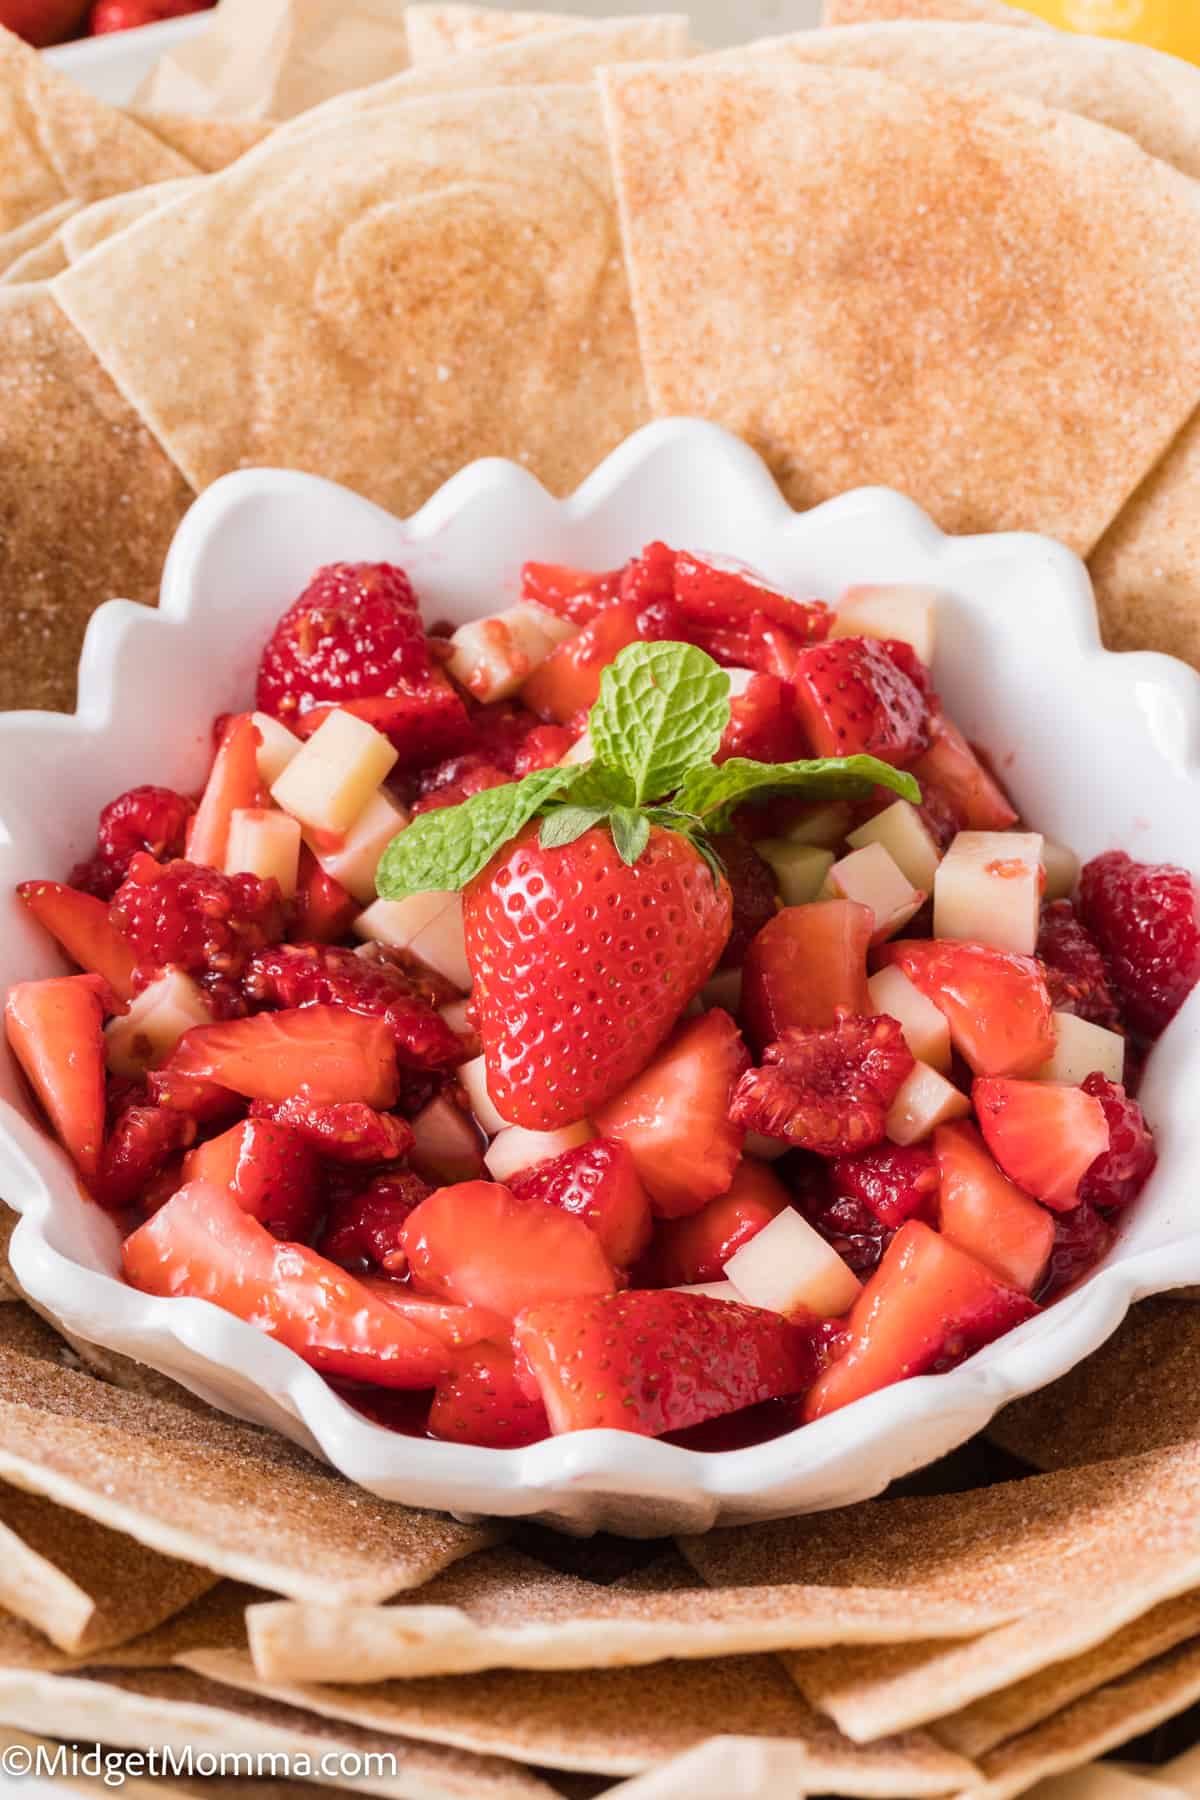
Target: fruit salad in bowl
[(639, 1008)]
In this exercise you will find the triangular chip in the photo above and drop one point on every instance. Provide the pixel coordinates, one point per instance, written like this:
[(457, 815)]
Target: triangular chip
[(965, 12), (102, 220), (722, 1767), (26, 240), (435, 31), (910, 286), (210, 144), (451, 268), (1146, 569)]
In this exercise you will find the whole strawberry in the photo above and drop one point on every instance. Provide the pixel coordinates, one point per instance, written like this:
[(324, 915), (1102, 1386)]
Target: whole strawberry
[(125, 15)]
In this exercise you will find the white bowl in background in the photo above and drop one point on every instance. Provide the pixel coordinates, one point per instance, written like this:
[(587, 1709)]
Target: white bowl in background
[(114, 65), (1098, 750)]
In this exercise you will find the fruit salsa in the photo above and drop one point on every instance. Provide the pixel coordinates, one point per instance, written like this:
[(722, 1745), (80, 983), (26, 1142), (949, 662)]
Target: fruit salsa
[(639, 1008)]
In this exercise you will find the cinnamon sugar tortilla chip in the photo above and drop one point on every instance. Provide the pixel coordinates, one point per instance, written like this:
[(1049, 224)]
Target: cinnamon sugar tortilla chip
[(42, 263), (1146, 569), (722, 1767), (215, 1621), (102, 220), (436, 31), (208, 143), (1182, 1771), (401, 292), (912, 286), (965, 12), (18, 245)]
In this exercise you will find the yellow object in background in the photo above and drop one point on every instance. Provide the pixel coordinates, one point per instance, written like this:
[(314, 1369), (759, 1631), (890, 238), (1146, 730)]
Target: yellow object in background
[(1163, 24)]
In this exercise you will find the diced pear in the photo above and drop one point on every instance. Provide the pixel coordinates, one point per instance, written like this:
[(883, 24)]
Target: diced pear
[(266, 844), (516, 1148), (800, 869), (581, 751), (893, 611), (713, 1290), (457, 1017), (724, 989), (873, 878), (277, 746), (1062, 870), (1083, 1049), (765, 1149), (926, 1030), (824, 826), (988, 890), (157, 1018), (787, 1267), (397, 922), (446, 1145), (739, 681), (906, 838), (925, 1101), (355, 858), (492, 657), (488, 1116), (443, 945), (332, 777)]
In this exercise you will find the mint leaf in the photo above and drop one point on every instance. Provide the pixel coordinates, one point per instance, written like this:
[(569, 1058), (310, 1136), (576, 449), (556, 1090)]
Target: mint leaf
[(566, 823), (663, 709), (602, 788), (446, 849), (631, 833), (714, 792)]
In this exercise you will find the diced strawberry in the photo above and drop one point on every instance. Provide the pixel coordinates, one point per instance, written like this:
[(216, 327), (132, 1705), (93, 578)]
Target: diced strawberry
[(364, 1227), (952, 767), (422, 721), (353, 634), (598, 1182), (270, 1171), (324, 1052), (845, 1222), (478, 1245), (827, 1090), (575, 594), (729, 610), (1076, 975), (808, 963), (674, 1116), (763, 723), (1146, 919), (1118, 1176), (1082, 1238), (233, 783), (293, 975), (483, 1402), (347, 1132), (648, 580), (56, 1032), (148, 820), (853, 699), (652, 1362), (697, 1248), (459, 1328), (986, 1214), (995, 1002), (1044, 1136), (458, 779), (543, 749), (81, 924), (569, 680), (322, 910), (896, 1183), (141, 1142), (203, 922), (927, 1306), (754, 892)]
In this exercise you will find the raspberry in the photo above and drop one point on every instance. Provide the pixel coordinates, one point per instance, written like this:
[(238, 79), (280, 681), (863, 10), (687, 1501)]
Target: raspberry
[(507, 741), (894, 1183), (364, 1226), (325, 975), (354, 632), (195, 918), (1081, 1238), (1075, 972), (827, 1090), (150, 819), (455, 780), (1118, 1176), (755, 895), (345, 1132), (846, 1223), (1145, 919), (138, 1147), (542, 749)]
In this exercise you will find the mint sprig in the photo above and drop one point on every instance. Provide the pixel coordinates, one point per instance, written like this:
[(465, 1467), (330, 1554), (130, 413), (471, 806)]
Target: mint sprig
[(714, 793), (448, 848), (662, 710)]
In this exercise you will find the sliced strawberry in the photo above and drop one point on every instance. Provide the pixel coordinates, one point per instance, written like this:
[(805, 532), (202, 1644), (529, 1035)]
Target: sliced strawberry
[(459, 1328), (1044, 1136), (82, 926), (575, 594), (927, 1306), (478, 1245), (322, 910), (322, 1052), (569, 680), (234, 782), (598, 1182), (141, 1142), (353, 633), (56, 1032), (986, 1214), (723, 593), (364, 1226), (952, 768), (805, 965), (763, 723), (291, 975), (828, 1091), (483, 1402), (852, 699), (347, 1132), (1119, 1176), (697, 1248), (753, 890), (270, 1171), (423, 721), (896, 1183), (674, 1116), (202, 1245), (996, 1003), (652, 1362)]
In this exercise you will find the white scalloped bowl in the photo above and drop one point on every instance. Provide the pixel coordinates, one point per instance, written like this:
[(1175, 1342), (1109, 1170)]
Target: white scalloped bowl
[(1099, 750)]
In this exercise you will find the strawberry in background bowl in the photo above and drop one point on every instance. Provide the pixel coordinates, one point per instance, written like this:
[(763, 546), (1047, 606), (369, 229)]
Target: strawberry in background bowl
[(43, 23)]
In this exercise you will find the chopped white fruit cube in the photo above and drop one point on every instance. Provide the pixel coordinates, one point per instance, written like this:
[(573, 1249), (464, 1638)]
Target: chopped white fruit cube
[(446, 1145), (276, 747), (581, 751), (894, 611), (266, 844), (397, 922), (724, 989), (925, 1101), (1062, 870), (800, 869), (906, 838), (458, 1017), (516, 1148), (354, 858), (926, 1030), (713, 1290), (492, 657), (739, 681), (443, 945), (872, 877), (332, 777), (988, 890), (473, 1076), (788, 1267), (145, 1035), (765, 1149), (1082, 1049), (824, 826)]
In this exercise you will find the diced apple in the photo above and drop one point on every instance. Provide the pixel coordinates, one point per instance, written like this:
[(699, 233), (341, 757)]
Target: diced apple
[(446, 1144), (581, 751), (988, 890), (906, 838), (871, 877), (714, 1290), (397, 922), (925, 1101), (443, 945), (800, 869), (276, 747), (157, 1018), (353, 860), (266, 844), (457, 1017), (926, 1030), (765, 1149), (517, 1148), (473, 1076), (893, 611), (787, 1267), (1062, 870), (1083, 1049), (724, 989), (824, 826), (492, 657), (331, 778)]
